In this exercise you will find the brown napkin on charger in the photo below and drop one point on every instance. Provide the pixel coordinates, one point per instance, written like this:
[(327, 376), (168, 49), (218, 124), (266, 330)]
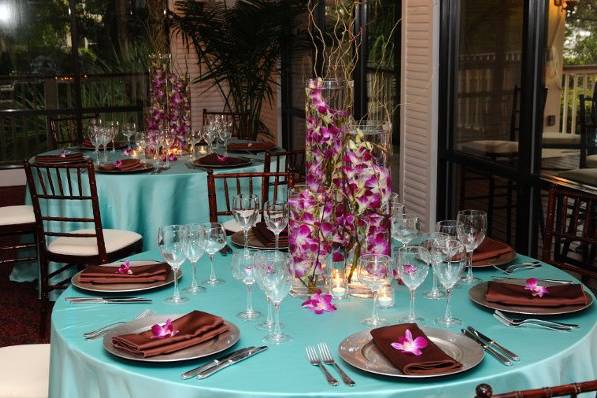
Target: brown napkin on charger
[(251, 146), (267, 237), (213, 159), (193, 328), (491, 248), (125, 165), (141, 274), (556, 296), (432, 360), (70, 157)]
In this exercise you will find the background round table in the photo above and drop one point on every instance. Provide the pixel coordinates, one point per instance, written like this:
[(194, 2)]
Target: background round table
[(81, 368)]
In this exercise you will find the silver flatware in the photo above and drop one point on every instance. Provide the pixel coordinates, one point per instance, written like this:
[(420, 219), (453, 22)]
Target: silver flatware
[(235, 359), (557, 281), (94, 334), (517, 267), (500, 316), (493, 343), (315, 361), (194, 372), (107, 300), (326, 357), (496, 354)]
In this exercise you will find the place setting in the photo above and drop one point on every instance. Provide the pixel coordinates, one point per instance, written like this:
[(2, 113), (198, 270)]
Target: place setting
[(125, 166), (269, 234)]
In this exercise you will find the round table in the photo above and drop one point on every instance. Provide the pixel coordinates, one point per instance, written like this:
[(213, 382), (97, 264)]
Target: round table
[(81, 368)]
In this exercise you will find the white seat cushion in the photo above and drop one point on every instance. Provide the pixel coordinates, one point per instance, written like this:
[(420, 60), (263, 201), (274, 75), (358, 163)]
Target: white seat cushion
[(233, 226), (592, 161), (115, 239), (493, 147), (25, 371), (584, 176), (13, 215), (561, 139)]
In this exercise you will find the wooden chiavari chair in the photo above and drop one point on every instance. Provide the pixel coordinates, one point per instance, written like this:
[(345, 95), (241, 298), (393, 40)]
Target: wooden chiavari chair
[(72, 184), (293, 162), (565, 390), (64, 131)]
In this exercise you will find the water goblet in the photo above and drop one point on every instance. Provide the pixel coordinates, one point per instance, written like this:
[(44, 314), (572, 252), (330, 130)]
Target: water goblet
[(215, 236), (209, 135), (194, 249), (412, 269), (94, 138), (113, 131), (447, 227), (276, 218), (449, 272), (128, 130), (274, 272), (374, 271), (243, 269), (471, 227), (405, 228), (432, 259), (171, 241), (245, 208)]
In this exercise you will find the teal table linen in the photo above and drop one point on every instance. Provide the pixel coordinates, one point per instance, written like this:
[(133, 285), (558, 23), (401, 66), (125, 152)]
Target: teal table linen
[(81, 368)]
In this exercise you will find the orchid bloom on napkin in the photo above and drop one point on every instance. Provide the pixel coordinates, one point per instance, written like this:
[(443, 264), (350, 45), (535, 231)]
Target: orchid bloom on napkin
[(128, 151), (536, 289), (320, 303), (125, 268), (409, 345), (118, 164), (160, 331)]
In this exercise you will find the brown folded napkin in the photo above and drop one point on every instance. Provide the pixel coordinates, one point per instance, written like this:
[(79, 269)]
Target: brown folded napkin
[(267, 237), (193, 328), (491, 248), (251, 146), (141, 274), (125, 165), (70, 157), (432, 360), (556, 296), (213, 159)]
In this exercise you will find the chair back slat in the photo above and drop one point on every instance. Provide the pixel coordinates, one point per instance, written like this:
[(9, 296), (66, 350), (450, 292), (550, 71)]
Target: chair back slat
[(294, 162), (64, 131), (244, 179), (565, 390), (70, 185), (59, 181)]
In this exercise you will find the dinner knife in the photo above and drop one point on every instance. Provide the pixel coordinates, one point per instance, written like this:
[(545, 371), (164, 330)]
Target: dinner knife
[(108, 300), (497, 355), (493, 343), (194, 372), (558, 281), (235, 359)]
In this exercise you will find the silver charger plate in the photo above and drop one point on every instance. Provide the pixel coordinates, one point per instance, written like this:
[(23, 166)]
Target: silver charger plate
[(205, 349), (359, 351), (123, 287), (477, 295), (238, 238)]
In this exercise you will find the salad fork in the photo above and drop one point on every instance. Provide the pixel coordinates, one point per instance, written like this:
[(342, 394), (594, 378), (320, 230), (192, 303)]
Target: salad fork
[(326, 357), (518, 267), (94, 334), (315, 361), (500, 316)]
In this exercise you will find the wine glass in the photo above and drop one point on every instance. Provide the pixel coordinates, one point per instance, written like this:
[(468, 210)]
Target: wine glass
[(447, 227), (215, 241), (225, 133), (104, 139), (209, 135), (471, 226), (245, 208), (412, 269), (405, 228), (243, 269), (166, 143), (171, 241), (274, 272), (141, 142), (128, 130), (194, 249), (374, 271), (94, 138), (113, 131), (276, 218), (449, 272), (433, 259)]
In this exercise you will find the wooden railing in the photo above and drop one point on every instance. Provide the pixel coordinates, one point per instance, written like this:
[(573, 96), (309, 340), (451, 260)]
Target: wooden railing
[(577, 80)]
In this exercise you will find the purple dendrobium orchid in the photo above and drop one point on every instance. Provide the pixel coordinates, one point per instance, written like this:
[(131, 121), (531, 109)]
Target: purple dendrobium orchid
[(128, 151), (125, 268), (409, 269), (320, 303), (409, 345), (536, 289), (163, 330), (118, 164)]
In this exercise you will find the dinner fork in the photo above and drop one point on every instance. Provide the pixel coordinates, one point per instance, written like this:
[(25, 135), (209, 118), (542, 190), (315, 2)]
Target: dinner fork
[(326, 357), (315, 361), (500, 316), (517, 267), (94, 334)]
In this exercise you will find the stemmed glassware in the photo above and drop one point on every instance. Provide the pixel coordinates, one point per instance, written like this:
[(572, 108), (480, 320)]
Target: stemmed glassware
[(274, 272), (94, 138), (195, 242), (225, 132), (215, 236), (447, 227), (171, 241), (141, 142), (433, 259), (113, 131), (374, 271), (449, 271), (412, 269), (471, 226), (210, 133), (405, 228), (245, 208), (276, 218), (243, 269), (129, 130)]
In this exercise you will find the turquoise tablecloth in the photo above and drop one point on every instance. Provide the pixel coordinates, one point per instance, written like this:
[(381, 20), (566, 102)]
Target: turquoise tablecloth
[(83, 369), (143, 202)]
